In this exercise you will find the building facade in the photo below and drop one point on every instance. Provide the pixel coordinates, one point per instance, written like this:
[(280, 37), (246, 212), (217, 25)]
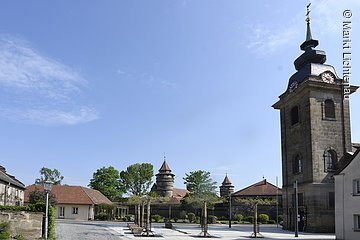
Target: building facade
[(11, 189), (347, 199), (315, 134), (73, 202)]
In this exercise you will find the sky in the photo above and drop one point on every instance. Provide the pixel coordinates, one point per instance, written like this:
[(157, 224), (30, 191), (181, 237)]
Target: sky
[(87, 84)]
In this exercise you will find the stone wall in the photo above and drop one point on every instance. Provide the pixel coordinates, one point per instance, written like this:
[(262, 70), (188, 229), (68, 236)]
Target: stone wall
[(28, 224)]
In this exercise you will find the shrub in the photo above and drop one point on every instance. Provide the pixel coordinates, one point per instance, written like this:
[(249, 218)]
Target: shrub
[(280, 218), (271, 221), (191, 217), (238, 217), (129, 218), (182, 215), (101, 216), (249, 219), (197, 219), (211, 219), (157, 218), (4, 230), (263, 218), (51, 226)]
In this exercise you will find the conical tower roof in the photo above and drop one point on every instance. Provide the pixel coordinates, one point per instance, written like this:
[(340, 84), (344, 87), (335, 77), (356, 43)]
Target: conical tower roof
[(165, 169), (226, 181)]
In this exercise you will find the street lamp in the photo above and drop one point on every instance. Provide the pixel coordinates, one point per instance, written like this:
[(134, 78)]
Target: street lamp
[(296, 209), (47, 187)]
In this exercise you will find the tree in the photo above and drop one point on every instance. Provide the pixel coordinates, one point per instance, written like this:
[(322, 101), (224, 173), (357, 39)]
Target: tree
[(106, 180), (136, 180), (202, 192), (200, 183), (38, 196), (48, 174)]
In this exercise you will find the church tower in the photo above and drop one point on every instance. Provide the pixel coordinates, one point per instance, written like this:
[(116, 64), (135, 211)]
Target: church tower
[(165, 181), (226, 187), (315, 134)]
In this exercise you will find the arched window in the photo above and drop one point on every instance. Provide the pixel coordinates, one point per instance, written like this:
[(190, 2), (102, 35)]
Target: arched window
[(298, 164), (329, 108), (330, 158), (294, 115)]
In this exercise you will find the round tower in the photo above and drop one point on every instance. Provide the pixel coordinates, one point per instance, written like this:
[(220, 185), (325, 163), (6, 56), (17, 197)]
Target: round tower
[(165, 181), (226, 187)]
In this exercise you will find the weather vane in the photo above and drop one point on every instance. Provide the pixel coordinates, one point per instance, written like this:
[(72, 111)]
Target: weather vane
[(308, 12)]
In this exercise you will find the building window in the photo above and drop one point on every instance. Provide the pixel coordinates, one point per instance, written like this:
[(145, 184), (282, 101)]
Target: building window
[(297, 167), (356, 187), (357, 223), (75, 210), (329, 109), (330, 160), (294, 115), (332, 200)]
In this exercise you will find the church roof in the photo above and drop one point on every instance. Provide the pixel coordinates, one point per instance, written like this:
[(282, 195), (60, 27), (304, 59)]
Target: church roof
[(346, 160), (355, 146), (259, 189)]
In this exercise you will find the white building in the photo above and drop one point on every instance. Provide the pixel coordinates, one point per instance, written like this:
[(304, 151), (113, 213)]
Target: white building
[(11, 189), (347, 199)]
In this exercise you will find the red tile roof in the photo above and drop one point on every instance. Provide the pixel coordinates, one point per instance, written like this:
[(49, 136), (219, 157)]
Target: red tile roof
[(72, 195), (262, 188)]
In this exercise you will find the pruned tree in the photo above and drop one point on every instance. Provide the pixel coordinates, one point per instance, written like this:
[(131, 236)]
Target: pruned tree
[(202, 194), (252, 204), (106, 180), (37, 196), (47, 174)]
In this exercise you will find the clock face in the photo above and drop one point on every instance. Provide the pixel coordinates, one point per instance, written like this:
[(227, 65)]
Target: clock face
[(328, 77)]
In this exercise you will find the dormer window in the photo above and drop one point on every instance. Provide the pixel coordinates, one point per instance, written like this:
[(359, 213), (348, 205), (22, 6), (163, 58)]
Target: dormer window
[(294, 115), (329, 108)]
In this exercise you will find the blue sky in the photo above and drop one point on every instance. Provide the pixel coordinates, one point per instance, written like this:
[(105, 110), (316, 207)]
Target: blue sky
[(86, 84)]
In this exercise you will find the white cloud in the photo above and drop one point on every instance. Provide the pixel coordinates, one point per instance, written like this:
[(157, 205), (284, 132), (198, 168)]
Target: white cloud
[(266, 38), (37, 88)]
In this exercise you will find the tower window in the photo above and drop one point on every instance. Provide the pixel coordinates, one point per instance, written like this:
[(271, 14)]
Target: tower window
[(298, 165), (330, 160), (294, 115), (329, 108)]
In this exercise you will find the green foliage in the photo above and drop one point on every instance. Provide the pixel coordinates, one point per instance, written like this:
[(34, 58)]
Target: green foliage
[(157, 218), (106, 180), (263, 218), (128, 218), (191, 217), (38, 207), (136, 180), (5, 230), (197, 219), (280, 218), (182, 215), (51, 225), (101, 216), (38, 196), (238, 217), (211, 219), (249, 219), (200, 183), (48, 174), (271, 221)]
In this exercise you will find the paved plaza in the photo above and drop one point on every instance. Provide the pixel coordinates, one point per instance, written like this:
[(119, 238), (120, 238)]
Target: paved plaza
[(86, 230)]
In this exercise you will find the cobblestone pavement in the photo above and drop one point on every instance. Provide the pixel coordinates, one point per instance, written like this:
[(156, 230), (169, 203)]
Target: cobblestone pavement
[(87, 230)]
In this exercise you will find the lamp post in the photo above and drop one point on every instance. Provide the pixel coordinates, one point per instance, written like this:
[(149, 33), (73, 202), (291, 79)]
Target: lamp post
[(47, 187), (296, 209), (230, 213)]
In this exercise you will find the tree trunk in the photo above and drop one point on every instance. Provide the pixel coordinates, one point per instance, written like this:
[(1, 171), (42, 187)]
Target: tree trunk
[(139, 217), (205, 220), (148, 218), (142, 213), (255, 221)]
